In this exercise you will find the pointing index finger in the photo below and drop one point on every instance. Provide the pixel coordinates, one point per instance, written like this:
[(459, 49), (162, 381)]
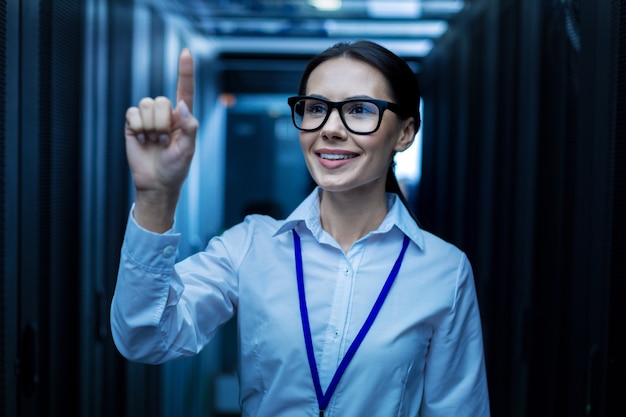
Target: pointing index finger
[(185, 86)]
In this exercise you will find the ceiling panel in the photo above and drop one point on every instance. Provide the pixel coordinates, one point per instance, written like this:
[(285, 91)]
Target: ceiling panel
[(410, 27)]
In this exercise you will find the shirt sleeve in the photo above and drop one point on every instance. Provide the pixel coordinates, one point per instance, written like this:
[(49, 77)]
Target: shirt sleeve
[(455, 376), (162, 310)]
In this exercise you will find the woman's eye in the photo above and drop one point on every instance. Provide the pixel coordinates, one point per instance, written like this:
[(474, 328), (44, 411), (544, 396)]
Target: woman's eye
[(362, 108), (317, 108)]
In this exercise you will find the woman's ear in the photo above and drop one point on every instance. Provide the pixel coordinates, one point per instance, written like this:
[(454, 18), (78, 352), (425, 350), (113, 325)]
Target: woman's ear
[(407, 135)]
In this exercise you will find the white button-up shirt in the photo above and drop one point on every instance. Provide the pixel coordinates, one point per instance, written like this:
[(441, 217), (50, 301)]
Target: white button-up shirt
[(423, 355)]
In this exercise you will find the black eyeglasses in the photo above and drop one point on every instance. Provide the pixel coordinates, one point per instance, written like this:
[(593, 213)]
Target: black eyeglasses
[(360, 115)]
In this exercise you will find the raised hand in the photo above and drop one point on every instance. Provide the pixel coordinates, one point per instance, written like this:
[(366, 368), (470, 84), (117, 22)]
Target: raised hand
[(160, 143)]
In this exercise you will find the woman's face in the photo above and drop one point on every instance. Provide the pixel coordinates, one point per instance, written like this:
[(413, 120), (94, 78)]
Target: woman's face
[(337, 159)]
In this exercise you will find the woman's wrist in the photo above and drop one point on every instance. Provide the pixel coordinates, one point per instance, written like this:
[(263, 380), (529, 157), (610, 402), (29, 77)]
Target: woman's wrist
[(155, 210)]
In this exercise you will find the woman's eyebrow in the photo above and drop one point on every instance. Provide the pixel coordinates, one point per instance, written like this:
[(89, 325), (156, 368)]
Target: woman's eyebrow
[(317, 96), (361, 96)]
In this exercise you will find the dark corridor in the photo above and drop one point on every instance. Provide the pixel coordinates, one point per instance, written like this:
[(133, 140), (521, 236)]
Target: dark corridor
[(522, 166)]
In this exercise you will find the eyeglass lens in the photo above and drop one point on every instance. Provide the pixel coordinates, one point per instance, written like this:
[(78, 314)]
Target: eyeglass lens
[(359, 116)]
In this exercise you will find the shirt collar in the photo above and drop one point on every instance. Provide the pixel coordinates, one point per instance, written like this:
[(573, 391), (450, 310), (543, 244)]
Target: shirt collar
[(308, 214)]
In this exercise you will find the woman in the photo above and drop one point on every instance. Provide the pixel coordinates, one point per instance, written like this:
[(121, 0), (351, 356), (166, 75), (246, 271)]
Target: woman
[(346, 308)]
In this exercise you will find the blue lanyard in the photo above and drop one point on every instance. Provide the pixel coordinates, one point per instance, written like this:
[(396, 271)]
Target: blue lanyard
[(324, 398)]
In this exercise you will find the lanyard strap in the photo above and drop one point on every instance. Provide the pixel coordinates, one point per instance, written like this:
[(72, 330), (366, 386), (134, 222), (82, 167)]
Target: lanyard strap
[(324, 398)]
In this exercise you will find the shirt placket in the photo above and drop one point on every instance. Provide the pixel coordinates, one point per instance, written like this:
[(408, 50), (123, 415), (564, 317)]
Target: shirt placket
[(339, 335)]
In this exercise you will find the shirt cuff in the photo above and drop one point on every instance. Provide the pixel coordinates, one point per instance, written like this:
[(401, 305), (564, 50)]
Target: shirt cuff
[(153, 251)]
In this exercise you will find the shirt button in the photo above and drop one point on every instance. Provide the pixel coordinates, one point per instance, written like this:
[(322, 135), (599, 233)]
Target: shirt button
[(347, 272), (169, 251)]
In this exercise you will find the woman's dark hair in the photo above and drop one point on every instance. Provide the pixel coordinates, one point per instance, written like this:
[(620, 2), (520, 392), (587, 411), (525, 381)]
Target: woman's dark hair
[(402, 82)]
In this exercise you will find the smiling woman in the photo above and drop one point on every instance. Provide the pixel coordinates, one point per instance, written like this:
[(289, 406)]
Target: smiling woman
[(524, 130), (346, 278)]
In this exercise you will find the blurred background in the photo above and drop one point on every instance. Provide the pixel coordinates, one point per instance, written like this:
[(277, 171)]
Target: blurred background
[(520, 163)]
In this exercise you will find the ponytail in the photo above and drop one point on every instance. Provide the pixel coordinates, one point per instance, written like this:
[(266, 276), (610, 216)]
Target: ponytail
[(392, 186)]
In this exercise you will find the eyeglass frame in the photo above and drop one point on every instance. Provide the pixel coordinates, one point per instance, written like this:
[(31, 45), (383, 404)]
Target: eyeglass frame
[(382, 105)]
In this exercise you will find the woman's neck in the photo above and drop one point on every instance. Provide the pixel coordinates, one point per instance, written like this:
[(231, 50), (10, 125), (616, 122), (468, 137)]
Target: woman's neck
[(347, 217)]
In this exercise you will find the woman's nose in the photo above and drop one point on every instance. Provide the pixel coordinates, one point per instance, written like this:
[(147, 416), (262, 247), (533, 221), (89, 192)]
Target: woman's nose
[(334, 126)]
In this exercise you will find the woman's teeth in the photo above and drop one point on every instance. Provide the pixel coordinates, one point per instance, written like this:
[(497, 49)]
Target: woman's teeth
[(335, 156)]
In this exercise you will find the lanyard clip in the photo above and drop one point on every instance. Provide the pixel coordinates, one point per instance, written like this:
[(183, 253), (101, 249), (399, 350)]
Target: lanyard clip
[(321, 413)]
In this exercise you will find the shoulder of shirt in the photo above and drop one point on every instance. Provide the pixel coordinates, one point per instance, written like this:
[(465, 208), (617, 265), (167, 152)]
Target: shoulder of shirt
[(424, 239), (254, 223), (262, 221), (237, 240), (436, 245), (257, 225)]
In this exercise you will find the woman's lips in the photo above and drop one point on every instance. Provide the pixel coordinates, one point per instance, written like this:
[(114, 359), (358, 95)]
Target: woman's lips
[(335, 159)]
